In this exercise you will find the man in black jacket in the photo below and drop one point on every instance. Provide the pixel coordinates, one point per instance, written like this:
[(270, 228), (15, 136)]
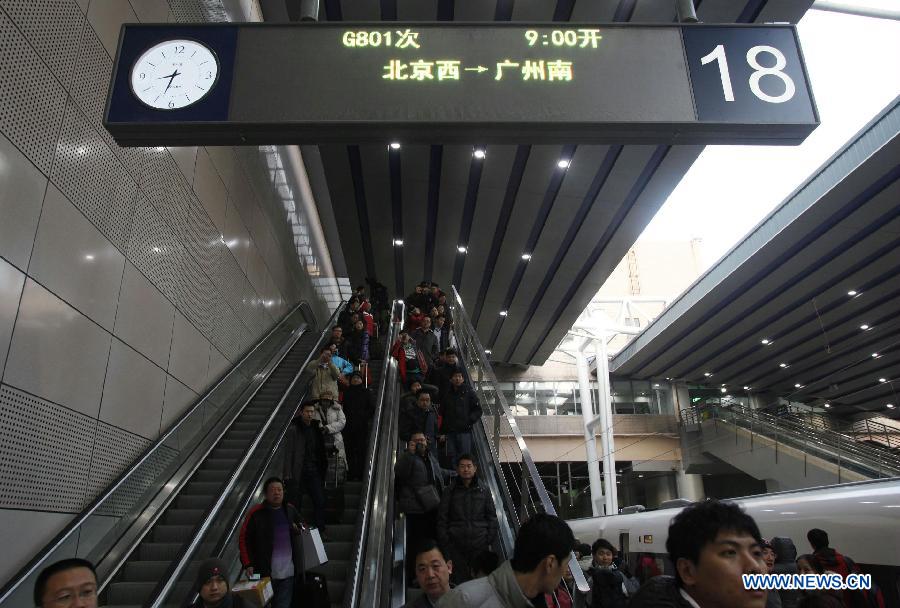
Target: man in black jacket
[(267, 542), (711, 544), (460, 410), (467, 519), (420, 418), (305, 462)]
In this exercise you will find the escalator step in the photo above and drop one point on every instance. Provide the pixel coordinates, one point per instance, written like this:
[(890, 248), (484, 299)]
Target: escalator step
[(155, 552), (201, 488), (340, 551), (342, 532), (232, 454), (182, 517), (333, 569), (136, 571), (218, 464), (128, 593), (171, 533), (193, 502)]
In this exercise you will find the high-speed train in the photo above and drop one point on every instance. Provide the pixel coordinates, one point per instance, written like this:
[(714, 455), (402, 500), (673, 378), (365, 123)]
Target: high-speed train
[(862, 520)]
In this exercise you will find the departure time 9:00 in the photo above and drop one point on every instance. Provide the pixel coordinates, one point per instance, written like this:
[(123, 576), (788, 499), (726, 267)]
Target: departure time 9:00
[(581, 38)]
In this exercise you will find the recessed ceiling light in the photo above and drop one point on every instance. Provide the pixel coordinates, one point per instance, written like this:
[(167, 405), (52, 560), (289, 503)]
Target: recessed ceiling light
[(526, 256), (398, 242), (827, 405), (707, 374), (503, 313), (746, 388), (395, 145), (641, 476), (724, 390), (864, 327), (890, 406), (563, 164), (461, 249), (655, 386), (782, 365), (874, 355), (89, 257), (478, 153), (487, 351), (882, 379), (851, 293), (766, 341), (798, 385)]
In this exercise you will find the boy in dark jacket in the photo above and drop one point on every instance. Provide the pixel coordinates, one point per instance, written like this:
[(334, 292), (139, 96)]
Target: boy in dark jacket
[(467, 519), (267, 542), (606, 579)]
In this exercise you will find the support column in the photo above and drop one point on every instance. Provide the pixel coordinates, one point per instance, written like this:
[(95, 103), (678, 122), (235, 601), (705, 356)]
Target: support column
[(689, 486), (590, 445), (606, 427)]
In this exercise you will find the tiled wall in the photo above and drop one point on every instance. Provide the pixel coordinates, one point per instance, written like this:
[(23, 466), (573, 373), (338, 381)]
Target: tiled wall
[(129, 278)]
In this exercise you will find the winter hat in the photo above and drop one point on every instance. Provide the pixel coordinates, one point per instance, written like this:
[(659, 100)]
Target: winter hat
[(210, 568)]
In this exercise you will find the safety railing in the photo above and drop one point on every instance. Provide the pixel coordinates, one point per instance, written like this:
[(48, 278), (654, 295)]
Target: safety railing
[(372, 579), (115, 513), (522, 490), (840, 449), (217, 527)]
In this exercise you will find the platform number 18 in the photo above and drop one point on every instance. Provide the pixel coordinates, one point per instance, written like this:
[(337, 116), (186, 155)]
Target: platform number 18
[(718, 55)]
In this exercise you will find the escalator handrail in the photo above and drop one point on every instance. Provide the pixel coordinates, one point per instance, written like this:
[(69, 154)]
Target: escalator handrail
[(461, 318), (874, 458), (38, 560), (164, 588), (377, 541)]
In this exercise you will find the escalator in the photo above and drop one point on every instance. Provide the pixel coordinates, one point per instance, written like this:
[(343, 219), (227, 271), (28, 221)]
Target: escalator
[(506, 468), (150, 559), (137, 529)]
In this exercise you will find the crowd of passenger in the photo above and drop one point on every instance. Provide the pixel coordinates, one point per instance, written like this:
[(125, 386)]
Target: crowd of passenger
[(710, 545), (451, 519)]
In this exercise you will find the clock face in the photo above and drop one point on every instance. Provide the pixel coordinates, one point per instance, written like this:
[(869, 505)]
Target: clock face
[(174, 74)]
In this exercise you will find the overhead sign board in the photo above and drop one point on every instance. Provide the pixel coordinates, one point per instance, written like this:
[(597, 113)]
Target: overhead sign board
[(472, 83)]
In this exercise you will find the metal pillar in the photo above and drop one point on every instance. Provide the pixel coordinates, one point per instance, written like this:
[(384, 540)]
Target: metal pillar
[(606, 427), (685, 11), (590, 445)]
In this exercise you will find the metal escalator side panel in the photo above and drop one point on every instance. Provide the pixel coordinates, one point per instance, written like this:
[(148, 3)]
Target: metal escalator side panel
[(179, 497), (128, 496), (371, 580), (212, 538)]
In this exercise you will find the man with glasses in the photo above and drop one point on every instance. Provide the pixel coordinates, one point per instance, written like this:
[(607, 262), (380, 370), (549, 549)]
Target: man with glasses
[(70, 583)]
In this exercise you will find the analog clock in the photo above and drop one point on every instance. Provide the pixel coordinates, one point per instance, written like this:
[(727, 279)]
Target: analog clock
[(174, 74)]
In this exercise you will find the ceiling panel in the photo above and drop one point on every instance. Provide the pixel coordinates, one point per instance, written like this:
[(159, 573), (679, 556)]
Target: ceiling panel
[(417, 10), (337, 172), (415, 169)]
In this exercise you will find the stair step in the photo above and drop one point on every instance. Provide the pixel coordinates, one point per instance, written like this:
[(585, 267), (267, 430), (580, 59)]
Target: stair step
[(340, 551), (210, 476), (182, 517), (333, 569), (155, 552), (172, 533), (201, 488), (121, 593), (218, 464), (194, 502), (137, 571)]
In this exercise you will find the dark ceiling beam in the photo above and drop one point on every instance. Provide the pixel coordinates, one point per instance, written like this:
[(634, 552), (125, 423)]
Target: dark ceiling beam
[(434, 194), (362, 208), (397, 216), (606, 167), (795, 249), (615, 223), (465, 226), (509, 200), (888, 251)]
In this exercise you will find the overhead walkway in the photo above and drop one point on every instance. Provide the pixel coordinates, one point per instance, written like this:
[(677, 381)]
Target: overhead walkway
[(786, 451), (184, 499)]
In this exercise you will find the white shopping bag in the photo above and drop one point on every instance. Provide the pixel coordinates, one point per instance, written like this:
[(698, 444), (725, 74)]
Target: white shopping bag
[(313, 548)]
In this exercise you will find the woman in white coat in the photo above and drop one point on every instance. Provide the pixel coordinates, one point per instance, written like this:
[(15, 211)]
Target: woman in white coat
[(331, 415)]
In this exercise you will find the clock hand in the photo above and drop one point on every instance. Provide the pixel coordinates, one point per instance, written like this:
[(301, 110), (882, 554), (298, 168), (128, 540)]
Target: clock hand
[(171, 78)]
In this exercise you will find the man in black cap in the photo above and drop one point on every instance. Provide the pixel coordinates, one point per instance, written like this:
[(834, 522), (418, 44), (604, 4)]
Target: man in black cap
[(212, 585)]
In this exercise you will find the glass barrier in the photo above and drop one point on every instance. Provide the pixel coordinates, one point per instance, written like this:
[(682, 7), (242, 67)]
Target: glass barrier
[(845, 451), (522, 491), (94, 533)]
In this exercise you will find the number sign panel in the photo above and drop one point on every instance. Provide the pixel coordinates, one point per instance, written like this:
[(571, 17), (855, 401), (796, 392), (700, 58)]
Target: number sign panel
[(473, 83), (747, 75)]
